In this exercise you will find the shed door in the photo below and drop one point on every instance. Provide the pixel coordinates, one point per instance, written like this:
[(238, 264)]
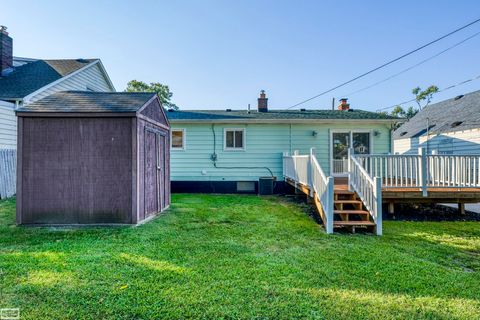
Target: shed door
[(162, 165), (152, 176)]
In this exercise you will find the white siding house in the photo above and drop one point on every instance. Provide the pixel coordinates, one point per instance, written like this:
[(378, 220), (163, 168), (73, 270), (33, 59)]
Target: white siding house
[(8, 126), (89, 77), (92, 77), (448, 127)]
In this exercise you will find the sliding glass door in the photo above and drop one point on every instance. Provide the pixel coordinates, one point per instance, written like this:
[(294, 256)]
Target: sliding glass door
[(340, 142)]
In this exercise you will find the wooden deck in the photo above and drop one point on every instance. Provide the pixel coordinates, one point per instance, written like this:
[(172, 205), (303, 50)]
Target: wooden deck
[(415, 195)]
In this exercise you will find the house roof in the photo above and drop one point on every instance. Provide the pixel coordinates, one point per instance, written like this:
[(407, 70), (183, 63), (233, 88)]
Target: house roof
[(30, 76), (273, 115), (88, 101), (456, 114)]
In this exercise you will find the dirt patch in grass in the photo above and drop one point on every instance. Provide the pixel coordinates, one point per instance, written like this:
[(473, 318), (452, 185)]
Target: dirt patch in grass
[(428, 212)]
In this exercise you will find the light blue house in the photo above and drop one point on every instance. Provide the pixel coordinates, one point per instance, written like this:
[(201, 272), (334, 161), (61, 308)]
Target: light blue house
[(228, 150)]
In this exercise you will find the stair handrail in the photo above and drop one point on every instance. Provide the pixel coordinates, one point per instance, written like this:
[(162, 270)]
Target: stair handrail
[(369, 189), (323, 188)]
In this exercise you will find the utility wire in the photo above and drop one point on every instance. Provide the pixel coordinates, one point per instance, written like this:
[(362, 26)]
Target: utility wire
[(412, 67), (442, 90), (385, 64)]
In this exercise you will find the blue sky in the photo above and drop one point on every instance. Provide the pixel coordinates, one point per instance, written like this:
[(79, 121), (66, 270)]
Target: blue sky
[(219, 54)]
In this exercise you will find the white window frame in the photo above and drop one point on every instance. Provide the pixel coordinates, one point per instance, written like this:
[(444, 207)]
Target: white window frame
[(244, 139), (184, 139)]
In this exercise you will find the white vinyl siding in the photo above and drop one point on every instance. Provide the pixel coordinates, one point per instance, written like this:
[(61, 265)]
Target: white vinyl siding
[(8, 126), (457, 142), (92, 78)]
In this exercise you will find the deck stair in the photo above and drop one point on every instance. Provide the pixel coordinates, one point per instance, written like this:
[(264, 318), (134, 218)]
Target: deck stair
[(349, 211)]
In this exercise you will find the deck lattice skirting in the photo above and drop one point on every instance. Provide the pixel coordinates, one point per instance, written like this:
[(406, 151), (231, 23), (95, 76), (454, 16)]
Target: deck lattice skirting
[(377, 179)]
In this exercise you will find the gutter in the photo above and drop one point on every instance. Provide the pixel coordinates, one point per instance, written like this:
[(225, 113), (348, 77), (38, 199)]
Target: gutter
[(287, 121)]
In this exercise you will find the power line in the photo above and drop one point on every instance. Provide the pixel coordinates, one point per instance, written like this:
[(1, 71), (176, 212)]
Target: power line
[(442, 90), (385, 64), (412, 67)]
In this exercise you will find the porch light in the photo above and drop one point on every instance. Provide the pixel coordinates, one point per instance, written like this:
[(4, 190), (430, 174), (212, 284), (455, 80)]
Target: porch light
[(314, 133)]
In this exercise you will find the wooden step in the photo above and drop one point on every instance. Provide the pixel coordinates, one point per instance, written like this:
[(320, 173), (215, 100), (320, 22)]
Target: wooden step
[(348, 202), (341, 191), (353, 224), (360, 212)]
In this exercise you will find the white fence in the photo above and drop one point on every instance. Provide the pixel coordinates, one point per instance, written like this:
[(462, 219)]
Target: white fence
[(306, 170), (368, 189), (8, 164)]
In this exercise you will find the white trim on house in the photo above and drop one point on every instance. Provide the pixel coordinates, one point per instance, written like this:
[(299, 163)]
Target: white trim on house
[(244, 139), (27, 98), (184, 139)]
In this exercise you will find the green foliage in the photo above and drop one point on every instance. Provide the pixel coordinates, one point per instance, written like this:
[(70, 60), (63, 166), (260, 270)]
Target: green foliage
[(242, 257), (162, 90), (424, 96)]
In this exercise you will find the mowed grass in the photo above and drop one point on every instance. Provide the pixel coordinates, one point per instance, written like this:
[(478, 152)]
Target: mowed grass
[(224, 256)]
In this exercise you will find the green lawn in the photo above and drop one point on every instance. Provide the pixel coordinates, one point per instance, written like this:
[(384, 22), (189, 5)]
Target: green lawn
[(226, 256)]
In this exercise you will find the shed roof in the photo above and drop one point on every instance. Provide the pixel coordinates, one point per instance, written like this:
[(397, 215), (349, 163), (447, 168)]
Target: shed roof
[(87, 101), (278, 115), (455, 114), (29, 77)]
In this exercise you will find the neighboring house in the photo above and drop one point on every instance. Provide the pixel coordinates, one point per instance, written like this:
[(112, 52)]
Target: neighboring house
[(25, 80), (448, 127), (228, 150)]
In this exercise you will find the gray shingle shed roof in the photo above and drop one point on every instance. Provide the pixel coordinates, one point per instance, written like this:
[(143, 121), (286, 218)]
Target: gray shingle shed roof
[(87, 101), (456, 114), (31, 76), (273, 115)]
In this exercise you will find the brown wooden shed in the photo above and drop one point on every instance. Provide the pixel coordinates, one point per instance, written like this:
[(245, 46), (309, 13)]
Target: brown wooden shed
[(92, 158)]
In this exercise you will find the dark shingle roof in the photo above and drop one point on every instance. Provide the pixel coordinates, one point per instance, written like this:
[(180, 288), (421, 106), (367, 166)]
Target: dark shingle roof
[(29, 77), (456, 114), (87, 101), (279, 115)]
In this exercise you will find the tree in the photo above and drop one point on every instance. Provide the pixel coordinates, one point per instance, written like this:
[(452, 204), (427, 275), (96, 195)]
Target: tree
[(425, 95), (162, 90)]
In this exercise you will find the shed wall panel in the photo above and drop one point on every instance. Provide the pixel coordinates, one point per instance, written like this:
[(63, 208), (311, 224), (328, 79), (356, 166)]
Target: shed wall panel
[(76, 170)]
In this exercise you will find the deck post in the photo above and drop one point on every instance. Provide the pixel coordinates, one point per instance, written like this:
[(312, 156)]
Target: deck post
[(423, 170), (329, 209), (461, 208), (350, 153), (378, 205), (310, 171)]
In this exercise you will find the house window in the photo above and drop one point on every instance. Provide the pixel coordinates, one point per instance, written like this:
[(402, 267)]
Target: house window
[(234, 139), (178, 139)]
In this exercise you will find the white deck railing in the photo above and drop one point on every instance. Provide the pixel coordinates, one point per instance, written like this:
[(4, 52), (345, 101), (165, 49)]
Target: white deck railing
[(306, 170), (461, 171), (368, 189), (396, 171), (423, 171)]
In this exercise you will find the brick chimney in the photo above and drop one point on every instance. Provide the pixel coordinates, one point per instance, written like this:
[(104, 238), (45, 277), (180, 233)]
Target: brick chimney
[(6, 49), (262, 102), (344, 106)]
